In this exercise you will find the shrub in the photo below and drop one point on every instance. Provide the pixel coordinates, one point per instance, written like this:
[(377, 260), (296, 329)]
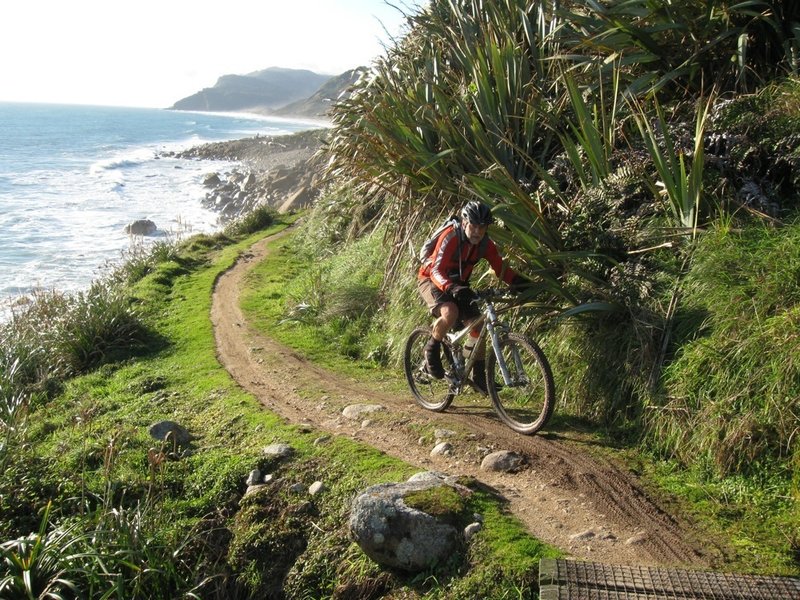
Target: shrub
[(257, 219)]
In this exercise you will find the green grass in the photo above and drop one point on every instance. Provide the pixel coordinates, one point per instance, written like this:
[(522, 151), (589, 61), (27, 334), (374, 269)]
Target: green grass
[(327, 310), (757, 516), (733, 384), (758, 534), (167, 521)]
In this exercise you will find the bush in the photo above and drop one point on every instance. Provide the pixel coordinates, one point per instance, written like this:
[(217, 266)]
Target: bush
[(732, 389), (257, 219)]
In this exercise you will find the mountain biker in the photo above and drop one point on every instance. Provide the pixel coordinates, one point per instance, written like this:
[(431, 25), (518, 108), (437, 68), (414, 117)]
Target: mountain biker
[(443, 283)]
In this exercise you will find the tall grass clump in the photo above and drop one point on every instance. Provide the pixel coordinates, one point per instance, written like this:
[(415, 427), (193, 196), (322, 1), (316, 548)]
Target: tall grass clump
[(732, 389), (116, 552), (138, 261), (339, 292), (255, 220), (59, 335), (339, 224)]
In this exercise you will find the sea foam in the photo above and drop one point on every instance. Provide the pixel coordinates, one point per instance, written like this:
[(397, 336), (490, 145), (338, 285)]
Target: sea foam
[(64, 204)]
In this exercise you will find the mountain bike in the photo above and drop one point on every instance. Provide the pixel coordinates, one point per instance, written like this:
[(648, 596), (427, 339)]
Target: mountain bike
[(519, 380)]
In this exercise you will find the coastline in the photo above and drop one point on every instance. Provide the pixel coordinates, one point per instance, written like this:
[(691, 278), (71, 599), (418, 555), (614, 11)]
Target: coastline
[(68, 205), (282, 172), (312, 122)]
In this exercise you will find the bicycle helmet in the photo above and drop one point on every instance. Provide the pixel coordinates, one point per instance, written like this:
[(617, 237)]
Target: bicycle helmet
[(477, 213)]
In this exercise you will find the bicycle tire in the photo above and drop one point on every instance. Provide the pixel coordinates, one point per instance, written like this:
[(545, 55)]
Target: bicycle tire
[(527, 404), (429, 392)]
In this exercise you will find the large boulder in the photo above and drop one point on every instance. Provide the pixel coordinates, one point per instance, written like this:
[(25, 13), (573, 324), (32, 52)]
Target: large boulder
[(300, 198), (170, 431), (411, 526), (248, 181), (141, 227), (211, 180)]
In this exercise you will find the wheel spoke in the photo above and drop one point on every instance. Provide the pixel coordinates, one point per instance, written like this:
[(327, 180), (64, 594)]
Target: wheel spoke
[(527, 404), (429, 392)]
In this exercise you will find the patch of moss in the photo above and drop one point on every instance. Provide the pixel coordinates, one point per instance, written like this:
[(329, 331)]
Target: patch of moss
[(443, 502)]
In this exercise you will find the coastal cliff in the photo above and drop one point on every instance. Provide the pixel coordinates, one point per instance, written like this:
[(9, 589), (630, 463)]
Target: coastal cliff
[(257, 92)]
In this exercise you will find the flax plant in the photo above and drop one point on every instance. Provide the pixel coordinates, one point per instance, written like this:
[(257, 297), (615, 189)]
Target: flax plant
[(593, 131), (456, 111), (682, 187), (462, 105), (678, 48), (44, 564)]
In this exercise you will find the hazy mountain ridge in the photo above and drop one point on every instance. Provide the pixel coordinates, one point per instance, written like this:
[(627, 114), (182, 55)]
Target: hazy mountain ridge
[(317, 104), (278, 91)]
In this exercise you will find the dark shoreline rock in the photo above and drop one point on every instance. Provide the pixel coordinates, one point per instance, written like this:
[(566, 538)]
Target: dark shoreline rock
[(141, 227)]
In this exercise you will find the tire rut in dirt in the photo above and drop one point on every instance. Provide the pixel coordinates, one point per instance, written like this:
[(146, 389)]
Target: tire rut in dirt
[(615, 494)]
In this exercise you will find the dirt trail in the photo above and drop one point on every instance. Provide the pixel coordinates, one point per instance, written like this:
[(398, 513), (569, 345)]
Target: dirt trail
[(586, 506)]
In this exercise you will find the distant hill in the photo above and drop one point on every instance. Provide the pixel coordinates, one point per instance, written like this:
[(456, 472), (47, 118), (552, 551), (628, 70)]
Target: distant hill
[(261, 91), (318, 104)]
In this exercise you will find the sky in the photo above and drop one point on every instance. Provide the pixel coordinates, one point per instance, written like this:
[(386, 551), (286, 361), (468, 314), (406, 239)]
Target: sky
[(152, 53)]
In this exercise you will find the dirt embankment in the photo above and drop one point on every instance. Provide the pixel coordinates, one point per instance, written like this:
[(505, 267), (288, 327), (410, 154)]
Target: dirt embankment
[(585, 505)]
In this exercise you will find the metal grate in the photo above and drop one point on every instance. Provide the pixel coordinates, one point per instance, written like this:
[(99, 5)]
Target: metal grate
[(575, 580)]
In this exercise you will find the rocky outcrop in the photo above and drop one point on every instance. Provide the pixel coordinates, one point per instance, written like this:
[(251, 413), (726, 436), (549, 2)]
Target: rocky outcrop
[(413, 525), (238, 192), (141, 227), (282, 172)]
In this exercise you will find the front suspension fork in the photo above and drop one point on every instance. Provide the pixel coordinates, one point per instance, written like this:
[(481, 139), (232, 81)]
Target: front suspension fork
[(494, 335)]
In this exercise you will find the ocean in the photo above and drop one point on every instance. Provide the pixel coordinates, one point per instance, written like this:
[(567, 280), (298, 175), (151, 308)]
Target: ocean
[(72, 177)]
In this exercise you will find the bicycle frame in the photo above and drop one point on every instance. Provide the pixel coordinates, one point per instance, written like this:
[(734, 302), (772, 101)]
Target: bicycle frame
[(488, 322)]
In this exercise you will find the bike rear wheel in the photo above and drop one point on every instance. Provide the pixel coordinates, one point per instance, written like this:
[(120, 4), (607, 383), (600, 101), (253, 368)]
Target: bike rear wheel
[(429, 392), (526, 404)]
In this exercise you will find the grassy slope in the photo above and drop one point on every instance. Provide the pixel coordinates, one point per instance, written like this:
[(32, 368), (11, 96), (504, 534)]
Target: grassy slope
[(758, 518), (97, 454)]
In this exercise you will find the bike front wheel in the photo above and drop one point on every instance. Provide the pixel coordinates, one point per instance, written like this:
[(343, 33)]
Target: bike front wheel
[(527, 403), (429, 392)]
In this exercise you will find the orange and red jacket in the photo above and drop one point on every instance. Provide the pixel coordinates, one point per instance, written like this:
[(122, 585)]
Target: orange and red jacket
[(453, 259)]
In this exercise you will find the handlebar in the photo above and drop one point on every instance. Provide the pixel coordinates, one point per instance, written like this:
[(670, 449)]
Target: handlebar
[(494, 293)]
